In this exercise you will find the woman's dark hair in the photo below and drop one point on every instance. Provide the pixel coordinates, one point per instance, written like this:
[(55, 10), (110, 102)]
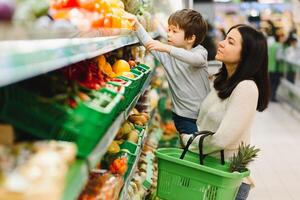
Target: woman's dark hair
[(253, 66)]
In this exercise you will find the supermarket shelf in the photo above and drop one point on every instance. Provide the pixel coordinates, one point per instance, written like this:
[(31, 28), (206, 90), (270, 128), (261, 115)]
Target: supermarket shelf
[(24, 59), (76, 179), (33, 32), (123, 193), (96, 155)]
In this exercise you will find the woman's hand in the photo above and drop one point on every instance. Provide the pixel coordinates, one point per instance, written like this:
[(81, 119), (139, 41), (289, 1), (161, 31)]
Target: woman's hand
[(158, 46)]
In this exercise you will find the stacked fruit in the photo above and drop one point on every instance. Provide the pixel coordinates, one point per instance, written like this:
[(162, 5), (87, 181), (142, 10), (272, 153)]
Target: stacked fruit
[(102, 186), (128, 132), (145, 177), (33, 170), (120, 67), (87, 14)]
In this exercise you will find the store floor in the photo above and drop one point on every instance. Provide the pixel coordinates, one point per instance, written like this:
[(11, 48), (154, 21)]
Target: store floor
[(276, 171)]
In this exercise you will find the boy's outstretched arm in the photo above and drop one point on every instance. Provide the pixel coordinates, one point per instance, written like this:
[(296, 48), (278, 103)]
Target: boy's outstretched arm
[(146, 39), (195, 57), (158, 46)]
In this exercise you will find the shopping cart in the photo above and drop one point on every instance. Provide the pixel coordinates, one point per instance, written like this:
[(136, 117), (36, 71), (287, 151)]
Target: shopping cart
[(180, 176)]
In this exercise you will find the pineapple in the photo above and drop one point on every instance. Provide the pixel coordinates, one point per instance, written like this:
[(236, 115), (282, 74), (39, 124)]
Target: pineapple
[(246, 154)]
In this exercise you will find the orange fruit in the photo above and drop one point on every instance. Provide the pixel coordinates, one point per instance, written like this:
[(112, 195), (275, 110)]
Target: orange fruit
[(101, 62), (103, 6), (107, 69), (112, 75), (120, 66), (116, 21), (128, 75)]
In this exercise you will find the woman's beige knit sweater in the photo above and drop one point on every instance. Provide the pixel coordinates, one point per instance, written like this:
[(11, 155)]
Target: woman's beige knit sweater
[(230, 119)]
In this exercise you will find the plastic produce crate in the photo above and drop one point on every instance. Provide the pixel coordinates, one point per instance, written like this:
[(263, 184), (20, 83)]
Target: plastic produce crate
[(84, 125), (137, 81), (132, 152), (144, 69), (117, 89), (129, 92), (187, 179), (101, 110)]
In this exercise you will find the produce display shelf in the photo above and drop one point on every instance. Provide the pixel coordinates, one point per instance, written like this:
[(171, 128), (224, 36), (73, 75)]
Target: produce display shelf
[(101, 148), (76, 179), (124, 191), (23, 59)]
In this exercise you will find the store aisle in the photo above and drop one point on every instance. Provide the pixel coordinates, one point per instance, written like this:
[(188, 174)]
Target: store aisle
[(276, 172)]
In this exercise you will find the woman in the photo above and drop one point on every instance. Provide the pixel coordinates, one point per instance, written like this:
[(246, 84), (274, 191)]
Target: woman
[(240, 88)]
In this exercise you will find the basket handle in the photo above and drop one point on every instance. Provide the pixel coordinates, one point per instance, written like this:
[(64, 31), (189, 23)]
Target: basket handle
[(200, 144), (191, 139)]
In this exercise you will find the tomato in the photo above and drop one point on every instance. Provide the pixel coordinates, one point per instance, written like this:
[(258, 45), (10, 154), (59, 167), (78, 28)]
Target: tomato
[(72, 103)]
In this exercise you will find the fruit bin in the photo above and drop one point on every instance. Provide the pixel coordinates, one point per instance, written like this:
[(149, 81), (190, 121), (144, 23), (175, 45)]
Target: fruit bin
[(101, 111), (187, 179), (132, 151), (117, 89), (145, 69), (137, 81), (81, 125), (129, 92)]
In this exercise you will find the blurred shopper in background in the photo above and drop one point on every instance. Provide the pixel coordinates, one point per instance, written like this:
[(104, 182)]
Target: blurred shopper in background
[(290, 54), (275, 51), (240, 88)]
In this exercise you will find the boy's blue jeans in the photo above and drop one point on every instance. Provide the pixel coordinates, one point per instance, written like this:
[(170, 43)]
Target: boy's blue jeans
[(184, 124)]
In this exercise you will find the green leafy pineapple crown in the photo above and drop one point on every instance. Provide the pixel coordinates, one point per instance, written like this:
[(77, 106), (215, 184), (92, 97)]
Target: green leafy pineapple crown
[(245, 154)]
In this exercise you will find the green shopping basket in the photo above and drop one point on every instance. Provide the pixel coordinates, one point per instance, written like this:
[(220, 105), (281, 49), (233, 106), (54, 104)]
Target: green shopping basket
[(187, 179)]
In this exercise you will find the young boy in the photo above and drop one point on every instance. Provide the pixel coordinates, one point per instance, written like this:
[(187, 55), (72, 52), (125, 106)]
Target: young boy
[(185, 63)]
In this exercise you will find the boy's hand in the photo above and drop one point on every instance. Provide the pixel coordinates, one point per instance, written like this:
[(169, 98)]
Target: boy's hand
[(158, 46), (135, 22)]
